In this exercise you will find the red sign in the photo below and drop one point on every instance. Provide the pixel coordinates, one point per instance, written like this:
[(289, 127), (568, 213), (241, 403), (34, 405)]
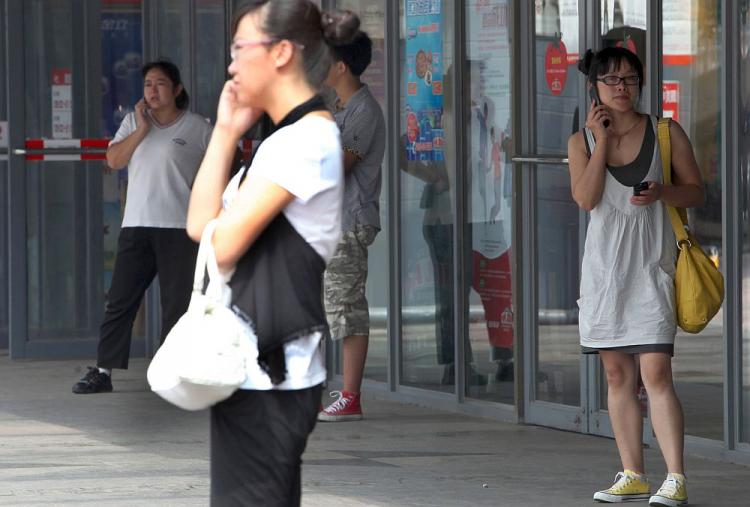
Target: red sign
[(670, 94), (556, 66), (628, 44), (62, 77)]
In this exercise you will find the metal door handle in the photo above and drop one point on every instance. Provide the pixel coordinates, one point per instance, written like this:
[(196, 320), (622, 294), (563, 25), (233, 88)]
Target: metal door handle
[(541, 159)]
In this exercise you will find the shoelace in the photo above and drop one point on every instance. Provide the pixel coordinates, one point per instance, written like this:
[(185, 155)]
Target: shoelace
[(624, 478), (669, 487), (339, 404)]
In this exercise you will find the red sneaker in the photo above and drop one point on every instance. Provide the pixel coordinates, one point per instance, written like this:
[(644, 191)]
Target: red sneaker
[(346, 408)]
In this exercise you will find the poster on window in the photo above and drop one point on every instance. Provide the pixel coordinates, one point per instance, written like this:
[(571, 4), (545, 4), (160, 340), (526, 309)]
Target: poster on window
[(424, 80)]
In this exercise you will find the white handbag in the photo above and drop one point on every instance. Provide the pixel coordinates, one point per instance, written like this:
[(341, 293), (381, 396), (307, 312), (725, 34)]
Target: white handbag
[(202, 359)]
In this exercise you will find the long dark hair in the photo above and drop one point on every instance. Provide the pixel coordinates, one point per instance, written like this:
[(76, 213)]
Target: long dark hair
[(301, 22), (608, 60), (173, 73)]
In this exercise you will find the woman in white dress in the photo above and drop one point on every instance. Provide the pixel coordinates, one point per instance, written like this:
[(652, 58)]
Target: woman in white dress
[(627, 304)]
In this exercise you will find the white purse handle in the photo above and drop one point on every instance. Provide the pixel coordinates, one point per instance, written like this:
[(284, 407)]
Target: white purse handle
[(206, 259)]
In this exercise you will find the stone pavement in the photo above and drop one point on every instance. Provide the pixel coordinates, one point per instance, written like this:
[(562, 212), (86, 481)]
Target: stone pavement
[(129, 448)]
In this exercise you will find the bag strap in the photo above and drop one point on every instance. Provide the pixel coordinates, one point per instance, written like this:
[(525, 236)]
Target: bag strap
[(677, 216), (204, 251)]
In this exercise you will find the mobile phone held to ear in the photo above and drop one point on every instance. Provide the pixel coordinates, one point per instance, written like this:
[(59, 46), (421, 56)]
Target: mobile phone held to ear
[(643, 185), (594, 94)]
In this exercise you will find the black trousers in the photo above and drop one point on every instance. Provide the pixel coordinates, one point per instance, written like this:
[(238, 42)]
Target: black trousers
[(257, 441), (142, 253)]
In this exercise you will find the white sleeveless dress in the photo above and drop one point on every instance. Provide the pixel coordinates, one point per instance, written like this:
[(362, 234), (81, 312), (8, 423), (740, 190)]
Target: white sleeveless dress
[(627, 277)]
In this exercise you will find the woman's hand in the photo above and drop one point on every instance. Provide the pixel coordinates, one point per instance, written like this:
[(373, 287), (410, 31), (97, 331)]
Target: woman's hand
[(142, 119), (233, 117), (595, 121), (649, 196)]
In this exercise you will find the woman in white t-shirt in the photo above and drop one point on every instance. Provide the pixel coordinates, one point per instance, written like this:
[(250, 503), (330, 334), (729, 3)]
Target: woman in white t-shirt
[(278, 223), (161, 143)]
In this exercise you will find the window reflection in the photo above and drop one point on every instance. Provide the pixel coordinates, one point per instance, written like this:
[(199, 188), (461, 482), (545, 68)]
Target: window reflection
[(691, 96), (488, 182), (427, 180), (559, 84), (744, 209)]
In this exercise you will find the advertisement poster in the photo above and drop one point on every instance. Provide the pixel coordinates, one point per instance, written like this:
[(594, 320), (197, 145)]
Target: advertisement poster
[(122, 87), (424, 80)]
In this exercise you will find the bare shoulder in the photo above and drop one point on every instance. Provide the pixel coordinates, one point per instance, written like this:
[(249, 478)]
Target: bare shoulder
[(676, 131), (576, 142)]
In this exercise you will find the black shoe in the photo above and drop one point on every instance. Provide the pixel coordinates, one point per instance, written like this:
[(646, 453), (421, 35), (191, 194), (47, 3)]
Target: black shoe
[(504, 371), (475, 378), (93, 382)]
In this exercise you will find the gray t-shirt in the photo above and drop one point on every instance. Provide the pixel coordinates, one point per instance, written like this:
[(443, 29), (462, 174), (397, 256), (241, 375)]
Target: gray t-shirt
[(362, 129), (162, 169)]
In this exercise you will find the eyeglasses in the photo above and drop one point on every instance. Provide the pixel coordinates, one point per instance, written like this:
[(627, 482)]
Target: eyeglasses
[(237, 45), (615, 80)]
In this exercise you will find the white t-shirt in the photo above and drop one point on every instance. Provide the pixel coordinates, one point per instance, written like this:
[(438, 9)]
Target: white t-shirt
[(304, 158), (162, 169)]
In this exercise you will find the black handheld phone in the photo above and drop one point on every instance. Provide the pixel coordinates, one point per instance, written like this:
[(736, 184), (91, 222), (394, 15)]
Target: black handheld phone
[(643, 185), (594, 94)]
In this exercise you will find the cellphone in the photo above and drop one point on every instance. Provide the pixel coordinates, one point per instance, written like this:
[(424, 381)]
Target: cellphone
[(594, 94), (643, 185)]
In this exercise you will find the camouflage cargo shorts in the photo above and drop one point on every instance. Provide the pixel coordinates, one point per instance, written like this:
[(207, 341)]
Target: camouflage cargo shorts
[(345, 279)]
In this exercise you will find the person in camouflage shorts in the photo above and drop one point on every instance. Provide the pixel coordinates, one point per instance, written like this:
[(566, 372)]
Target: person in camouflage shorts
[(360, 120)]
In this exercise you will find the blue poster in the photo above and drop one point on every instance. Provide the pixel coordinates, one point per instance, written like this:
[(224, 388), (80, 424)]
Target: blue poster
[(424, 80), (122, 87)]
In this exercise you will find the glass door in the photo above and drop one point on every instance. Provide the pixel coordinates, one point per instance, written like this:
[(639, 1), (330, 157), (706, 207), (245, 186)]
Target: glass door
[(78, 70), (4, 144), (553, 364)]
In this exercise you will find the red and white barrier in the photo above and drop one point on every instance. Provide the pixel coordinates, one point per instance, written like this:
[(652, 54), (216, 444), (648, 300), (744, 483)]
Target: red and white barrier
[(43, 150), (90, 149)]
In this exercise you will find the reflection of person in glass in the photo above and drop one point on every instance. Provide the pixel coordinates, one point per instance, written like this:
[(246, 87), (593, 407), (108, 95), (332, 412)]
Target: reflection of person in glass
[(627, 304), (162, 144), (437, 230)]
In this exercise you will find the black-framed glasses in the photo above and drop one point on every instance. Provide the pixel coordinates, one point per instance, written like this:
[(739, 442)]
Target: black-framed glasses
[(615, 80)]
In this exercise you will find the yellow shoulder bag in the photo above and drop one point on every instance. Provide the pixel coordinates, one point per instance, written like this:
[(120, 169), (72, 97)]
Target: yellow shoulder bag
[(699, 286)]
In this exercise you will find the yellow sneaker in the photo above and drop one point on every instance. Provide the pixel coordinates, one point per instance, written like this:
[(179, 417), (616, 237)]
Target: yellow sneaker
[(673, 492), (628, 487)]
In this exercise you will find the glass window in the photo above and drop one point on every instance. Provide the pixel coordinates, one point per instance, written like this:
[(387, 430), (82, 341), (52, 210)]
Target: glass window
[(744, 209), (210, 56), (692, 52), (4, 251), (173, 29), (558, 85), (487, 173), (624, 25), (427, 176), (372, 17), (122, 87)]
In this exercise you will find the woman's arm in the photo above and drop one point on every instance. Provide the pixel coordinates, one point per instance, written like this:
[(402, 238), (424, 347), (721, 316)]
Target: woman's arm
[(120, 153), (686, 190), (210, 182), (587, 174), (257, 203), (232, 121)]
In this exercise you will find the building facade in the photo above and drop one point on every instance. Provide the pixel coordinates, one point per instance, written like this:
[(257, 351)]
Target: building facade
[(474, 276)]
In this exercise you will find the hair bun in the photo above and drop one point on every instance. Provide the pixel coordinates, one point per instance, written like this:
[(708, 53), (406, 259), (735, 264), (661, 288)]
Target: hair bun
[(584, 64), (339, 27)]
